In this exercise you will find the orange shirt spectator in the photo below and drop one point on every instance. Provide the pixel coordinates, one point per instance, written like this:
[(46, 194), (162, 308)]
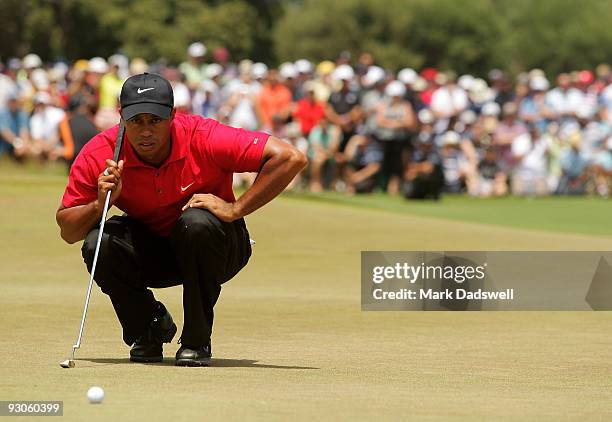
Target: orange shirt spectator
[(274, 99)]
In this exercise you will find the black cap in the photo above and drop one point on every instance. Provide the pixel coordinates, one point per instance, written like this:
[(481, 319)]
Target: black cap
[(146, 93)]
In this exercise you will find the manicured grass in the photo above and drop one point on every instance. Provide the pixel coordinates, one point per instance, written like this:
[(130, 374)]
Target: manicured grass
[(559, 214), (290, 339)]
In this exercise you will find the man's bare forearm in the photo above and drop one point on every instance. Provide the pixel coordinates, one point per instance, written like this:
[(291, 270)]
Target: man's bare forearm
[(275, 174), (76, 222)]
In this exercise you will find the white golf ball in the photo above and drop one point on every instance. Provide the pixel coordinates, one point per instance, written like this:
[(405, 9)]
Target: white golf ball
[(95, 395)]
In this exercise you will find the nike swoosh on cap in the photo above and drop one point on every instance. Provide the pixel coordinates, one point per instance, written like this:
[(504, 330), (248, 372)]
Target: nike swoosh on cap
[(140, 91)]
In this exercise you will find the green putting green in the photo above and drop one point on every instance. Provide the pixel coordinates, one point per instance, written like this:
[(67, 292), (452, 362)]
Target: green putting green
[(290, 340)]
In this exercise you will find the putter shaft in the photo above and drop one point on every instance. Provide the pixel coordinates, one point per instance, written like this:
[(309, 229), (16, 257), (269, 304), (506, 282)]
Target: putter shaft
[(69, 363)]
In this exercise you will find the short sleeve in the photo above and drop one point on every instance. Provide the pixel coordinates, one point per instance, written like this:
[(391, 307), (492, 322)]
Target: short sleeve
[(236, 150), (82, 183)]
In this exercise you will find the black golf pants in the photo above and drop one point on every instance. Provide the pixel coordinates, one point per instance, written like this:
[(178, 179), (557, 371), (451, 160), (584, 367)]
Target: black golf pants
[(201, 253)]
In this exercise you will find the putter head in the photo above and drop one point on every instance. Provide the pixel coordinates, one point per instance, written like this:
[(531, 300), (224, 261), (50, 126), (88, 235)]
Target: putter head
[(68, 363)]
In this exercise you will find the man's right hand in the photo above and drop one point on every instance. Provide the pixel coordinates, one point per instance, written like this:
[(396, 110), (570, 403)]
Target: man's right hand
[(110, 180)]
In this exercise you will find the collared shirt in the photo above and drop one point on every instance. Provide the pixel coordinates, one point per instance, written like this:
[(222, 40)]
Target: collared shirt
[(203, 158)]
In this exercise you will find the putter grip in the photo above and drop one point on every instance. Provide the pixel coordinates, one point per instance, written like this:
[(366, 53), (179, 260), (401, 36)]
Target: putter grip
[(119, 143)]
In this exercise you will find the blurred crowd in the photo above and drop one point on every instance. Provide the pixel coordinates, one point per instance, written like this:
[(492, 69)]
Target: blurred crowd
[(416, 133)]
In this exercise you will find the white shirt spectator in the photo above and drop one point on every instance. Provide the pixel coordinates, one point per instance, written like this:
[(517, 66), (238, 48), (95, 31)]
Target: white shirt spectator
[(564, 102), (8, 89), (594, 135), (448, 101), (44, 124), (532, 155), (242, 102)]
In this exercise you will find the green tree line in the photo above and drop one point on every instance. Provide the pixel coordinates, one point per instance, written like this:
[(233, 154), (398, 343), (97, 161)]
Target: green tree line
[(464, 35)]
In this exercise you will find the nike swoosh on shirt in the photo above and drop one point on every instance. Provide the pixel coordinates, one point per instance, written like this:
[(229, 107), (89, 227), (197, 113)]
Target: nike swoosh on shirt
[(183, 189)]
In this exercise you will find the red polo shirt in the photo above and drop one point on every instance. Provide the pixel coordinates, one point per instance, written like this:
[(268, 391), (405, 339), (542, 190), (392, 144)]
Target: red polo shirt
[(204, 156)]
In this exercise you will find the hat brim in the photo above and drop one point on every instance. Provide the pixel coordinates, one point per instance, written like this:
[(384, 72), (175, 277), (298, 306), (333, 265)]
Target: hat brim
[(159, 110)]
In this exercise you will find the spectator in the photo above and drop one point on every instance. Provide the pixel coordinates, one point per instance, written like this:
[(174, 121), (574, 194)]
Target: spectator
[(426, 132), (480, 94), (504, 134), (304, 69), (363, 157), (343, 108), (532, 108), (530, 151), (491, 179), (563, 101), (274, 100), (77, 127), (365, 62), (428, 76), (395, 120), (500, 86), (324, 140), (110, 86), (448, 101), (288, 74), (424, 176), (14, 133), (241, 106), (373, 83), (8, 88), (308, 111), (206, 100), (601, 170), (194, 68), (408, 77), (182, 94), (573, 166), (44, 128), (455, 165)]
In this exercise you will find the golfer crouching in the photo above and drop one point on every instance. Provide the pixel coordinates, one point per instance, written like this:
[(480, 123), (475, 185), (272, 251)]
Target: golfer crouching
[(182, 223)]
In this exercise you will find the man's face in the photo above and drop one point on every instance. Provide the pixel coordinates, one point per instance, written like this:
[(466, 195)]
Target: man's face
[(273, 77), (149, 135), (564, 81)]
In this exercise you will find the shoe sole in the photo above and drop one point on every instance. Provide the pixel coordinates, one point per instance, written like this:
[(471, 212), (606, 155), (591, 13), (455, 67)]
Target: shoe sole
[(147, 359), (192, 362)]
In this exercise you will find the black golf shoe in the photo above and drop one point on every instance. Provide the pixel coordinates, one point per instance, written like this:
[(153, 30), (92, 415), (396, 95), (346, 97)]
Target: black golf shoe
[(148, 348), (194, 356)]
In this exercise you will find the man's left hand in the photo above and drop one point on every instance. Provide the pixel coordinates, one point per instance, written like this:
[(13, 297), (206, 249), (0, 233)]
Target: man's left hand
[(224, 211)]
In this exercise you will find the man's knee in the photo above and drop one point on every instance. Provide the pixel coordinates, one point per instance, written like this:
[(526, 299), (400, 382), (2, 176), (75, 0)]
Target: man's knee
[(200, 224), (88, 251)]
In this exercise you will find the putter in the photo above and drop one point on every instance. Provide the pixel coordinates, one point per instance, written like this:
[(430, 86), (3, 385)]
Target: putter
[(69, 363)]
